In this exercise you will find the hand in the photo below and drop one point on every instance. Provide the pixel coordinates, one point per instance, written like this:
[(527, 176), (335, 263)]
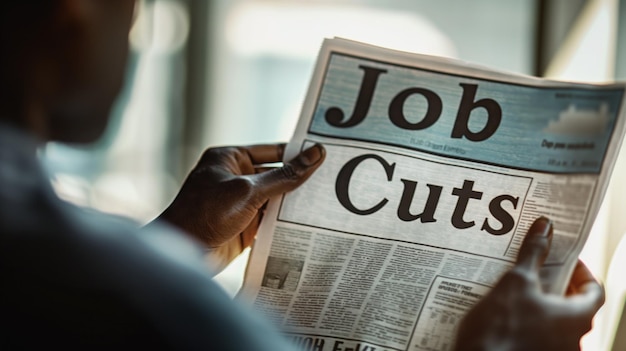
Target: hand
[(221, 201), (518, 315)]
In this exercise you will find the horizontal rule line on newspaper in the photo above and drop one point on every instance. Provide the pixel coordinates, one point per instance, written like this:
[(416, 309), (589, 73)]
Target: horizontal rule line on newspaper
[(407, 242), (413, 156), (448, 156)]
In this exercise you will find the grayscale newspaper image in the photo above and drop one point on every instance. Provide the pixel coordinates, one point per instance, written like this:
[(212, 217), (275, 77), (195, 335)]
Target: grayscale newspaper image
[(435, 169)]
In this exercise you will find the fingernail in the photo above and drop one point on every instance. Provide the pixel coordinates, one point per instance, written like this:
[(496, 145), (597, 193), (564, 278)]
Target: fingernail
[(544, 226), (312, 155)]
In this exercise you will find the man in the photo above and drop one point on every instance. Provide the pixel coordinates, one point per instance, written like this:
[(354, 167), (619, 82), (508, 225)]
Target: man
[(77, 279)]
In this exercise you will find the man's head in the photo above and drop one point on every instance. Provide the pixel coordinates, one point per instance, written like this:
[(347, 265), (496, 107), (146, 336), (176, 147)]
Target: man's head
[(62, 65)]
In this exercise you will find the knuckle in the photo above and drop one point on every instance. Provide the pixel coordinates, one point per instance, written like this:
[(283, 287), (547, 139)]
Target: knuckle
[(221, 150), (208, 154), (213, 153), (242, 186), (517, 278), (289, 172), (226, 155)]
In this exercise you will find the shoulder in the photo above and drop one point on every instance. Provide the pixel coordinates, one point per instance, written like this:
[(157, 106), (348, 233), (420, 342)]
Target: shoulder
[(92, 278), (86, 280)]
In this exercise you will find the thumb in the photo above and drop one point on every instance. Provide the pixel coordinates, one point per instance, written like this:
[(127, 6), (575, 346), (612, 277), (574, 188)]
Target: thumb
[(292, 174), (536, 245)]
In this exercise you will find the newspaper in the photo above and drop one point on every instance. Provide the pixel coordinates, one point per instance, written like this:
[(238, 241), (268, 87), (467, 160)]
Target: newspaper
[(435, 170)]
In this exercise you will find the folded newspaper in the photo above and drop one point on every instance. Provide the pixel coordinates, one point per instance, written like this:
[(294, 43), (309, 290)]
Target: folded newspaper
[(435, 170)]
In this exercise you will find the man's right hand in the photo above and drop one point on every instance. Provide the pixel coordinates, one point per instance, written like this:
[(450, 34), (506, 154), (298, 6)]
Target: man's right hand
[(222, 200), (518, 315)]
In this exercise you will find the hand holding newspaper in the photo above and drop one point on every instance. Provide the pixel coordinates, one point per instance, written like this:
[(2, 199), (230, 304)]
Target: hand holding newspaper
[(435, 169)]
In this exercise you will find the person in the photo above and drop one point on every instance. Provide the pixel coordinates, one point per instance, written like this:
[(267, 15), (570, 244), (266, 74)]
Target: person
[(77, 279)]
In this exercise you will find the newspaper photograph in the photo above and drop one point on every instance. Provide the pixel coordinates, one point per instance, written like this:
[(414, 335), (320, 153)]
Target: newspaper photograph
[(434, 171)]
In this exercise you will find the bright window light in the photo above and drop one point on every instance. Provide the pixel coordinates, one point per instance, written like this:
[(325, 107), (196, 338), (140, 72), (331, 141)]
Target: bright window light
[(296, 30)]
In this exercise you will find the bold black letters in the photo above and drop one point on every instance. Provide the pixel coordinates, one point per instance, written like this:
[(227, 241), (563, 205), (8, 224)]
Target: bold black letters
[(427, 215), (464, 195), (494, 115), (495, 207), (396, 109), (334, 115), (343, 182), (404, 209)]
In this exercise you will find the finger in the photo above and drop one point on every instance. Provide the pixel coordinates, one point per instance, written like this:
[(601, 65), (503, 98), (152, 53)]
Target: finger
[(580, 277), (536, 245), (267, 153), (291, 175), (249, 234), (587, 292)]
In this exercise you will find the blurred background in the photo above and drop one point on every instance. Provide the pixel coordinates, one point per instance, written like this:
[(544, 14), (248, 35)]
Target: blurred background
[(225, 72)]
